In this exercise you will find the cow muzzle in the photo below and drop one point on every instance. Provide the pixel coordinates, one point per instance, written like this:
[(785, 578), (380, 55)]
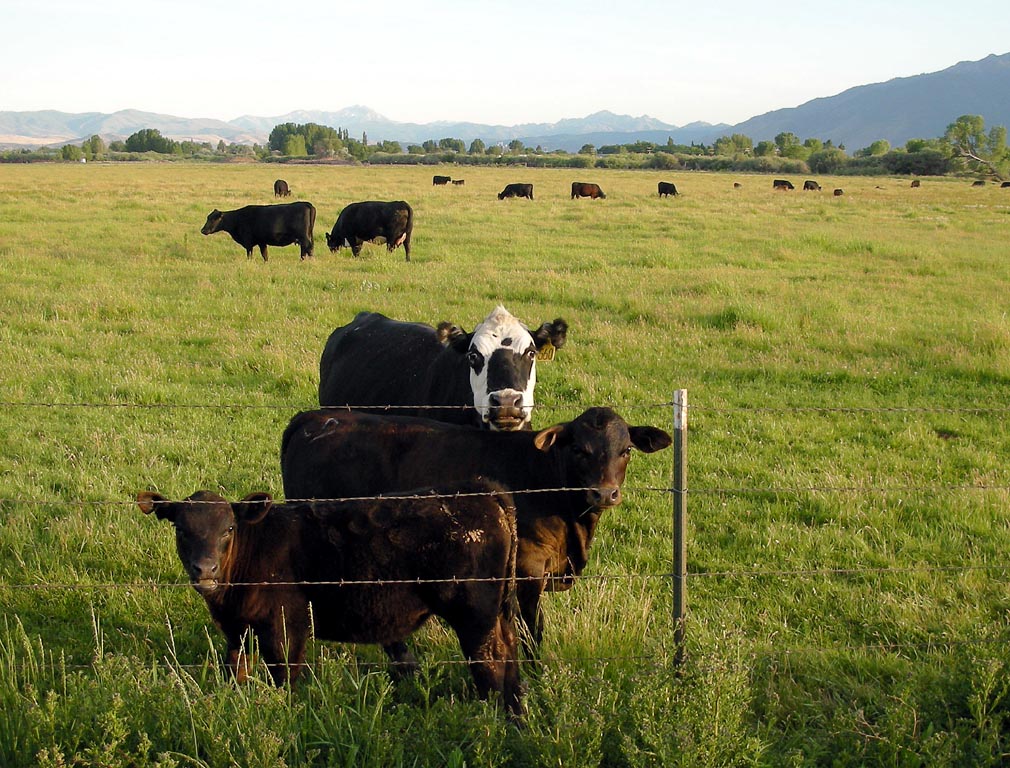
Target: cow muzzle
[(604, 497), (505, 411)]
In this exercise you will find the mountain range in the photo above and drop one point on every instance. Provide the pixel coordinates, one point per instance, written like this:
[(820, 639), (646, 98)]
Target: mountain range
[(920, 106)]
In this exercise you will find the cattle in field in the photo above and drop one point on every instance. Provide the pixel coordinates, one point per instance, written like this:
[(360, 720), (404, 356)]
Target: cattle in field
[(583, 189), (811, 186), (916, 183), (334, 454), (484, 379), (782, 184), (839, 192), (281, 188), (362, 571), (978, 183), (1005, 185), (375, 222), (737, 185), (262, 225), (667, 188), (437, 181), (458, 182), (516, 190)]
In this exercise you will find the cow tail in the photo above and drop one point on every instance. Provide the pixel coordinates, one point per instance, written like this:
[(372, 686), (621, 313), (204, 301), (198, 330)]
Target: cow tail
[(410, 228)]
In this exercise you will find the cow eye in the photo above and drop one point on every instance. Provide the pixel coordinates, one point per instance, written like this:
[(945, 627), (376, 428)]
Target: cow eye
[(531, 353), (626, 452), (473, 357)]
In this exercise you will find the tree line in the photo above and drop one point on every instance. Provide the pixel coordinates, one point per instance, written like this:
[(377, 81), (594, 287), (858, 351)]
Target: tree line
[(966, 146)]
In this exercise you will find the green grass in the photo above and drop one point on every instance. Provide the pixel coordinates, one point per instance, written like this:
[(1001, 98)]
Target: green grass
[(848, 509)]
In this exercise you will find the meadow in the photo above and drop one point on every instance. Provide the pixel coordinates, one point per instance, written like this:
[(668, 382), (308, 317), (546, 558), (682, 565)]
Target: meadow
[(847, 361)]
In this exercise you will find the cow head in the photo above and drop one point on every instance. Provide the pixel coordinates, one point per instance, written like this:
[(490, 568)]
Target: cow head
[(213, 222), (594, 451), (335, 241), (205, 529), (501, 355)]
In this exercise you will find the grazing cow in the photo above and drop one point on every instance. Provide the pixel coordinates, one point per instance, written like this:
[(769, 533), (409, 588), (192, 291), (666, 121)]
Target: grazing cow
[(737, 185), (263, 225), (1005, 185), (376, 361), (333, 454), (458, 182), (811, 186), (916, 183), (373, 221), (667, 188), (782, 184), (978, 183), (280, 570), (516, 190), (437, 181), (281, 188), (839, 192), (582, 189)]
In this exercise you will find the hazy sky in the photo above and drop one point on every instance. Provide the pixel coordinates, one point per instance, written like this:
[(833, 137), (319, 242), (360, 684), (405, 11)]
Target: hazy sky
[(466, 60)]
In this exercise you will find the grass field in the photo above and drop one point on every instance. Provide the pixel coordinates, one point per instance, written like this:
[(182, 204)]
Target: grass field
[(847, 361)]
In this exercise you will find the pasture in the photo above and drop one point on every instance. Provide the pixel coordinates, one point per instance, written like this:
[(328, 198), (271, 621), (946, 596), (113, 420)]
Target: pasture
[(847, 361)]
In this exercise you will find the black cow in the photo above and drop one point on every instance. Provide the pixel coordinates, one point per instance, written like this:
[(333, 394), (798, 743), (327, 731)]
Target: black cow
[(978, 183), (1005, 185), (916, 183), (440, 180), (782, 184), (516, 190), (334, 454), (458, 182), (667, 188), (281, 188), (376, 361), (373, 221), (263, 225), (583, 189), (811, 186), (279, 570), (839, 192), (737, 185)]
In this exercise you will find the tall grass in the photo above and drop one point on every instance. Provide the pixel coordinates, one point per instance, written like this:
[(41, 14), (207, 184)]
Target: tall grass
[(847, 360)]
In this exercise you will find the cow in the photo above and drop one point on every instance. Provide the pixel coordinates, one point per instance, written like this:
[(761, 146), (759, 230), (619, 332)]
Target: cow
[(437, 181), (667, 188), (334, 454), (1005, 185), (583, 189), (362, 571), (839, 192), (916, 183), (458, 182), (516, 190), (263, 225), (485, 378), (782, 184), (978, 183), (281, 188), (811, 186), (373, 221), (737, 185)]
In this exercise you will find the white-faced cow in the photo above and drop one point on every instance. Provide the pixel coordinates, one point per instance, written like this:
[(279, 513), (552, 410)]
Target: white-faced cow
[(585, 189), (373, 221), (363, 571), (263, 225), (485, 378), (562, 478)]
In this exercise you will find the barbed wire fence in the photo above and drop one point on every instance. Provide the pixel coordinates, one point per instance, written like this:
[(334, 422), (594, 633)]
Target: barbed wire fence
[(679, 576)]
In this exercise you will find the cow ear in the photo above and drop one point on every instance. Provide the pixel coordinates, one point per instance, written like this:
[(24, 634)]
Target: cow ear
[(546, 439), (149, 502), (253, 508), (555, 333), (649, 439), (453, 336)]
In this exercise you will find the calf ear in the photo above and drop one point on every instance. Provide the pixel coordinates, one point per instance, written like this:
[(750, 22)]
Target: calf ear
[(546, 439), (555, 333), (149, 502), (649, 439), (253, 508), (450, 335)]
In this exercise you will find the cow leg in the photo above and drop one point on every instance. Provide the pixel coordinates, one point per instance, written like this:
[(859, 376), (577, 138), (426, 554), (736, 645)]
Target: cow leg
[(283, 649), (356, 246), (528, 592), (403, 663), (239, 661), (248, 252), (492, 655), (263, 252)]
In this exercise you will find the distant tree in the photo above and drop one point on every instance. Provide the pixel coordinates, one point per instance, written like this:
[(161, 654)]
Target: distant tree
[(389, 147), (149, 140), (93, 147), (587, 149), (430, 146), (415, 149), (814, 145), (785, 141), (364, 139), (879, 147), (294, 146), (117, 146), (829, 160), (983, 151), (452, 145), (477, 147), (72, 152), (765, 149)]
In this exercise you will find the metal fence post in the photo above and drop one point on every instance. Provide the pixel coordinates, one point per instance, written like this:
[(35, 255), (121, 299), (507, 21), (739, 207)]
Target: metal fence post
[(679, 522)]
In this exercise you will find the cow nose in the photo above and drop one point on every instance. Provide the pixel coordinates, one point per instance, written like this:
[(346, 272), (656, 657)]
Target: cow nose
[(506, 399), (205, 569), (606, 497)]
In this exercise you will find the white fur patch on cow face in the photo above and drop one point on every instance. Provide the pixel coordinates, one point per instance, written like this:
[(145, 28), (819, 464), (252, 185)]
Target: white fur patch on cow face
[(502, 359)]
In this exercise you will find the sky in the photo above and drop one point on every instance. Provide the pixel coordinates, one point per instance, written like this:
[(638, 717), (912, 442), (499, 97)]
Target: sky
[(498, 63)]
